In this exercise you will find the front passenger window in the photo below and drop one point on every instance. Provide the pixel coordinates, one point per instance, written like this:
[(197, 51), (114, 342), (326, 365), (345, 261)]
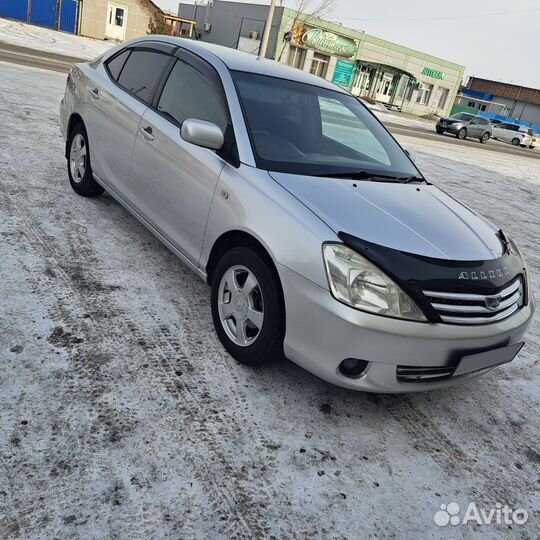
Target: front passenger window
[(189, 93)]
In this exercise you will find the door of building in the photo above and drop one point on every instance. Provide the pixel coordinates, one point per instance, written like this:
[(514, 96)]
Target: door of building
[(384, 90), (116, 22), (43, 13)]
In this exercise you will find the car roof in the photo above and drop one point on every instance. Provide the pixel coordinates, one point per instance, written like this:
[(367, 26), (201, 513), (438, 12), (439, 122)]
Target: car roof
[(242, 61)]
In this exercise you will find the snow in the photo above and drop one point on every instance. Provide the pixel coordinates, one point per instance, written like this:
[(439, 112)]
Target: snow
[(123, 417), (45, 39)]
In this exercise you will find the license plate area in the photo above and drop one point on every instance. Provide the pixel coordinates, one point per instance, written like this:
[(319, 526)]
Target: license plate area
[(495, 357)]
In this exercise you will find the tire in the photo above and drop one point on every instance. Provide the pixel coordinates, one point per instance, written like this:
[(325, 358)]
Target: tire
[(515, 142), (484, 138), (78, 161), (461, 134), (263, 344), (439, 130), (531, 146)]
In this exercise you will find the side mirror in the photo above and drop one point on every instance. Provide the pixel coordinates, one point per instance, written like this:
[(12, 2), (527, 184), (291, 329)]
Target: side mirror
[(202, 133), (411, 154)]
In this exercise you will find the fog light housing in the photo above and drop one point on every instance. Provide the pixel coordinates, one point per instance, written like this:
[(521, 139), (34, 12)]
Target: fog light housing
[(353, 367)]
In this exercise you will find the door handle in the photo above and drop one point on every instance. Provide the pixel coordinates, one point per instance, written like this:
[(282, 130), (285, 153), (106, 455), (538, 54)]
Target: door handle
[(147, 133), (94, 92)]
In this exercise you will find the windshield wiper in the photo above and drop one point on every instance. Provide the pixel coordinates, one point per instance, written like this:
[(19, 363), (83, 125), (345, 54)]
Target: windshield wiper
[(357, 175), (409, 179), (372, 177)]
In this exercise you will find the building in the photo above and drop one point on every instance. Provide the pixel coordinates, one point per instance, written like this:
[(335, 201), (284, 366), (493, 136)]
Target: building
[(118, 20), (122, 20), (369, 67), (56, 14), (520, 102)]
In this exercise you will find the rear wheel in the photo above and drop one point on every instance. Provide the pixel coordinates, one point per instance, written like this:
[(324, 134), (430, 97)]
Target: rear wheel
[(461, 134), (247, 307), (439, 130), (79, 168), (484, 138), (515, 142)]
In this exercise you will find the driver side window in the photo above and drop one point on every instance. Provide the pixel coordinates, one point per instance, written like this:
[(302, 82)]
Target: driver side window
[(190, 93), (343, 126)]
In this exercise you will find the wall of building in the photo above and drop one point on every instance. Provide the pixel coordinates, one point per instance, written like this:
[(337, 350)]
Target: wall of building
[(512, 92), (230, 21), (94, 13), (378, 51)]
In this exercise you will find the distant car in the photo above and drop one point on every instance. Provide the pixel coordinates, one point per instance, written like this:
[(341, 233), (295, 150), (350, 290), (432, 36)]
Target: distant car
[(464, 125), (514, 134)]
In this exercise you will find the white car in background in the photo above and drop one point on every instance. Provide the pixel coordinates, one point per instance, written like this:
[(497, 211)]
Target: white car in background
[(514, 134)]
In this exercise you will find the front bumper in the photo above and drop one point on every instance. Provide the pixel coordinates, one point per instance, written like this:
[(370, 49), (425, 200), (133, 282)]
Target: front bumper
[(450, 128), (321, 332)]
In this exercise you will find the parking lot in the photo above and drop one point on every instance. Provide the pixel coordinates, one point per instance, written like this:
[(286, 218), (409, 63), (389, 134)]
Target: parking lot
[(123, 417)]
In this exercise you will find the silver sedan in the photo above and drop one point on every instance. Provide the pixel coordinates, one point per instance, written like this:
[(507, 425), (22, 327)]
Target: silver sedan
[(320, 238)]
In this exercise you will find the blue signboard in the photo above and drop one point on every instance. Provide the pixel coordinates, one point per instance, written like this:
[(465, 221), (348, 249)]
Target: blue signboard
[(343, 72)]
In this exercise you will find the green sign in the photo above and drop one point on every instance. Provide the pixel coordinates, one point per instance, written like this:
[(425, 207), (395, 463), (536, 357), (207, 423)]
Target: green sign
[(433, 73), (343, 72), (330, 42)]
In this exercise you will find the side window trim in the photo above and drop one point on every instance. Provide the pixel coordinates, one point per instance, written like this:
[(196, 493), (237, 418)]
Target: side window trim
[(157, 49), (109, 60)]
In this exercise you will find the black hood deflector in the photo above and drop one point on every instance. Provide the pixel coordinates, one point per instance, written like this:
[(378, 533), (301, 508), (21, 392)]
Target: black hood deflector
[(414, 273)]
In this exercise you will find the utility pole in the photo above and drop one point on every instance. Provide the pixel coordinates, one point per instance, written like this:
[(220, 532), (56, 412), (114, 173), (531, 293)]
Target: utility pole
[(267, 28)]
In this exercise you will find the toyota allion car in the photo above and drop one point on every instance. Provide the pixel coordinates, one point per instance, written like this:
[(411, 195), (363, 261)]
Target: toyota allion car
[(320, 238), (464, 125)]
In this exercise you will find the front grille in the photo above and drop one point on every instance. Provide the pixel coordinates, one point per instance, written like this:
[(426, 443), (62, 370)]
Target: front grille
[(424, 374), (461, 308)]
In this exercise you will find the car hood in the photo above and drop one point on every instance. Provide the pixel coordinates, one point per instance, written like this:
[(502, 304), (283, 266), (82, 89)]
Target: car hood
[(413, 218), (449, 120)]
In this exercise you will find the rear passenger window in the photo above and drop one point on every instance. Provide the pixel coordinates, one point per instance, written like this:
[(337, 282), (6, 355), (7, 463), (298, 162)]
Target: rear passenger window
[(142, 71), (117, 63), (189, 93)]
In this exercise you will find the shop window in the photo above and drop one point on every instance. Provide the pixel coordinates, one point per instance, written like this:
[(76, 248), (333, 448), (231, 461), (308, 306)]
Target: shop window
[(424, 94), (297, 57), (319, 64)]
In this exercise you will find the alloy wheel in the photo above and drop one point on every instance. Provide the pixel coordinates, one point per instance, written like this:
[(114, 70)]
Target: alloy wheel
[(77, 158), (240, 305)]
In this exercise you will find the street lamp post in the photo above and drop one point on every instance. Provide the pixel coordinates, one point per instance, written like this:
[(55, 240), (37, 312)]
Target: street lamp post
[(267, 28)]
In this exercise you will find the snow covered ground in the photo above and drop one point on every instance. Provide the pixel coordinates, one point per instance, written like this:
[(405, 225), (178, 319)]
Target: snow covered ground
[(121, 416), (45, 39)]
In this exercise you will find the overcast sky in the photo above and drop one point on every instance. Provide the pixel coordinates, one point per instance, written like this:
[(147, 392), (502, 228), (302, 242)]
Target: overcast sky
[(497, 40)]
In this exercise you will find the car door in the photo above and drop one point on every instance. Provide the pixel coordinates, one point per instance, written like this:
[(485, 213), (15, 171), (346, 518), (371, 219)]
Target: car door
[(474, 128), (117, 102), (173, 181), (503, 133)]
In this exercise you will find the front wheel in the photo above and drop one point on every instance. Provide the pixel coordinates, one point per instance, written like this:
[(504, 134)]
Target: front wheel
[(79, 168), (247, 307), (461, 134), (484, 138), (515, 142), (439, 130)]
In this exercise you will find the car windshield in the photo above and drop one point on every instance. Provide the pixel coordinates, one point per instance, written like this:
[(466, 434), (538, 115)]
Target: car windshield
[(463, 116), (300, 128)]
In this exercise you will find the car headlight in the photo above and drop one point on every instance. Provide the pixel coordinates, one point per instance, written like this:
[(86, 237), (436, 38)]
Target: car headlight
[(360, 284)]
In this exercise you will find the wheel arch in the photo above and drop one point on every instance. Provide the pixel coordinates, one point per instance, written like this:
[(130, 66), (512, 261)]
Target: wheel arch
[(237, 238), (74, 119)]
